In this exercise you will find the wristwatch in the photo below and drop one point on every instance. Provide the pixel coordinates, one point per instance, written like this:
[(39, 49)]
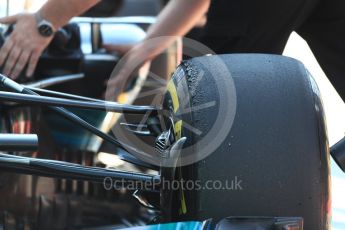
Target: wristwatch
[(45, 28)]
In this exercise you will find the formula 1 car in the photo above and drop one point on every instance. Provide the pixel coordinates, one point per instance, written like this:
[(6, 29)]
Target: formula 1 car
[(254, 118)]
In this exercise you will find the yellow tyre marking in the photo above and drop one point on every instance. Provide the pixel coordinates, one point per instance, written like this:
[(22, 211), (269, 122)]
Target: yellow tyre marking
[(183, 209), (178, 133), (173, 94), (178, 130)]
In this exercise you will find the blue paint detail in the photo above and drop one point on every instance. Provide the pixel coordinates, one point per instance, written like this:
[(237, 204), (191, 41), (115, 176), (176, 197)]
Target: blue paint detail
[(172, 226)]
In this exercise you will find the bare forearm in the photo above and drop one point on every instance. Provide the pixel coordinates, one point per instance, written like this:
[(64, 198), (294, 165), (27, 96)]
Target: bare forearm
[(59, 12), (177, 19)]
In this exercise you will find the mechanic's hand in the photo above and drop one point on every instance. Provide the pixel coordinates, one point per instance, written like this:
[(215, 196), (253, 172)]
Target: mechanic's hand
[(23, 47), (120, 49), (127, 69)]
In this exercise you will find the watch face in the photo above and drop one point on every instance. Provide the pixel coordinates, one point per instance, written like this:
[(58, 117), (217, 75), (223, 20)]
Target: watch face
[(45, 30)]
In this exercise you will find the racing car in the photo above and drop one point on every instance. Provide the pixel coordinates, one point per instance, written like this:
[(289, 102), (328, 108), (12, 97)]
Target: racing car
[(254, 118)]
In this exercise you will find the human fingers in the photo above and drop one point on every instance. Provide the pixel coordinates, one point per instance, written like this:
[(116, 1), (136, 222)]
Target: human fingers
[(9, 19), (12, 60), (122, 49), (33, 63), (5, 50), (114, 88), (20, 65)]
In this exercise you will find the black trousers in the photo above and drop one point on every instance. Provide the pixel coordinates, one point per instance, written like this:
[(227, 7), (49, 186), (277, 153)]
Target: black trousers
[(264, 26)]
